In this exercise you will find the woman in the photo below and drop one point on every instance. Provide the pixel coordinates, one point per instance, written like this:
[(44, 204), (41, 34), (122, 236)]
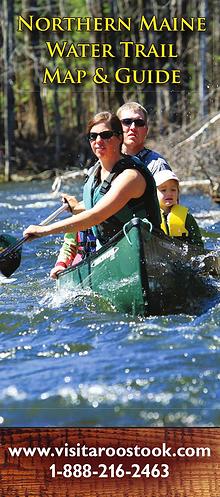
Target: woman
[(117, 189)]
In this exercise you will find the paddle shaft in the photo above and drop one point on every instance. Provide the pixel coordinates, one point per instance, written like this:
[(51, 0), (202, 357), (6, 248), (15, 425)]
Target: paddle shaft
[(46, 221)]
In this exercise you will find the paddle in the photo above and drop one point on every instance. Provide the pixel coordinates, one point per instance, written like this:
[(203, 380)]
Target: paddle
[(10, 257)]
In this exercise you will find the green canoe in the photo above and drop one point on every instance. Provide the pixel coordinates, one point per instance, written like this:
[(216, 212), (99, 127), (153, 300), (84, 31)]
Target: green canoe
[(144, 272)]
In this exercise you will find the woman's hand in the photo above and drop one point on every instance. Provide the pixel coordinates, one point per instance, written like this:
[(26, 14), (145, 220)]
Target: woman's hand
[(75, 206), (70, 200), (35, 230), (54, 272)]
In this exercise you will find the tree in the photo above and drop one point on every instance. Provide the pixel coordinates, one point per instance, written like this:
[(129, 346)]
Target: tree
[(203, 64), (8, 49), (34, 125)]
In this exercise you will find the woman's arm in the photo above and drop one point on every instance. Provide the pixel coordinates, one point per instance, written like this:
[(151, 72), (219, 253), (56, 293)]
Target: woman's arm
[(80, 207), (129, 184)]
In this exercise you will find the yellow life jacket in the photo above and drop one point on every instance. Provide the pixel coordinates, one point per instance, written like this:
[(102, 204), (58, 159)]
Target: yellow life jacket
[(174, 223)]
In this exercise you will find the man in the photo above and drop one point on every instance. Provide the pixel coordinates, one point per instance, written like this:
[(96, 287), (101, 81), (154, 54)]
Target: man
[(134, 119)]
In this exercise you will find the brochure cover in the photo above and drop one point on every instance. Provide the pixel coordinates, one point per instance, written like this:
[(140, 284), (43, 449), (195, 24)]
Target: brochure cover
[(109, 248)]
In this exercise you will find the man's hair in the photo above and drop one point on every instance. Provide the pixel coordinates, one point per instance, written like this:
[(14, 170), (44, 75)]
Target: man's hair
[(111, 120), (133, 106)]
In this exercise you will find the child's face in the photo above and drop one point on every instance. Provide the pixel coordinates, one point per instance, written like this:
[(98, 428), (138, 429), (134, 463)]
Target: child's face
[(168, 194)]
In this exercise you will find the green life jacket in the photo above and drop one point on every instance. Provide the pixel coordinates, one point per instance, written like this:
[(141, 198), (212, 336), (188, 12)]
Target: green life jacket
[(144, 207), (173, 224)]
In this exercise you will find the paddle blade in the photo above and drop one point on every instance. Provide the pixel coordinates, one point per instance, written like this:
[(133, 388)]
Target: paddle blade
[(11, 261)]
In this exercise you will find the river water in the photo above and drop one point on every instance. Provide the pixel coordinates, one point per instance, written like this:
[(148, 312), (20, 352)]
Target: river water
[(70, 361)]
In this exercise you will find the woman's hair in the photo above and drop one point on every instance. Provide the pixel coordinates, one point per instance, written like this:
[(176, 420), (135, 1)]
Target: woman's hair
[(111, 120)]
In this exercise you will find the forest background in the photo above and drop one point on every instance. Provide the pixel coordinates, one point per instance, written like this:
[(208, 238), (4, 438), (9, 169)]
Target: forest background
[(42, 127)]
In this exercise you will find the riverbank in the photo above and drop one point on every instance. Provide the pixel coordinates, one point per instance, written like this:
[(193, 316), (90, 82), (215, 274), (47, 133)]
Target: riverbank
[(192, 151)]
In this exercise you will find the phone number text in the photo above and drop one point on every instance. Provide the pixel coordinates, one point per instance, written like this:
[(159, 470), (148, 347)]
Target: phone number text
[(111, 471)]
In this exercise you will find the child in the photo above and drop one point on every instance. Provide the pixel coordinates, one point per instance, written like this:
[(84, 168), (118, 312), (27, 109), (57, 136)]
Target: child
[(76, 247), (176, 219), (67, 254)]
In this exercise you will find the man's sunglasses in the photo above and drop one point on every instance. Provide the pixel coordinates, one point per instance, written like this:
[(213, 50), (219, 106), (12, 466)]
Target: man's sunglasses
[(137, 122), (105, 135)]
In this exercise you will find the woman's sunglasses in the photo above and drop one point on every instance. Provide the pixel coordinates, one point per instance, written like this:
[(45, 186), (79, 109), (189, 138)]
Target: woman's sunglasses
[(137, 122), (105, 135)]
